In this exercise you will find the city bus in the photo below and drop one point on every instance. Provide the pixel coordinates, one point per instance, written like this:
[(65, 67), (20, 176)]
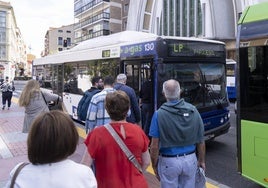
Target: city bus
[(198, 64), (230, 77), (252, 94)]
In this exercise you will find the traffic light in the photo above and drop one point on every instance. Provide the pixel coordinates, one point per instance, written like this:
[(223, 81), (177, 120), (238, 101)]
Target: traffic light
[(64, 43)]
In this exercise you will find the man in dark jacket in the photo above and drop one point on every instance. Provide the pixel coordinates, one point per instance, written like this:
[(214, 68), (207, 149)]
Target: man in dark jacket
[(135, 116), (177, 130), (97, 86)]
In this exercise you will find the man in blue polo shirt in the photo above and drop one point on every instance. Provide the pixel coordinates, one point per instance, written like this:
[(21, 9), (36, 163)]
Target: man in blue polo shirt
[(177, 130)]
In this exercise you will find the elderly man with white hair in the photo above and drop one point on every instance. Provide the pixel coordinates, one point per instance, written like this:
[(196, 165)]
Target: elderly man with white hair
[(177, 130), (135, 116)]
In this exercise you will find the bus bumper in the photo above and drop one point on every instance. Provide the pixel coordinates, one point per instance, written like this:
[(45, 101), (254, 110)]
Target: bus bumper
[(212, 133)]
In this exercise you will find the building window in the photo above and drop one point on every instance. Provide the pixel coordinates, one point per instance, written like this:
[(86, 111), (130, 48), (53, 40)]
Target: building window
[(165, 18), (60, 41), (60, 31), (171, 18), (2, 19), (69, 41), (3, 52), (192, 19), (181, 18), (68, 31), (2, 35), (126, 8), (124, 25)]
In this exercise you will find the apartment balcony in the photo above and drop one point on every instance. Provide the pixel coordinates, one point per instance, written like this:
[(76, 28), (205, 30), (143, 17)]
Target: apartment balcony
[(99, 33), (89, 21), (93, 6)]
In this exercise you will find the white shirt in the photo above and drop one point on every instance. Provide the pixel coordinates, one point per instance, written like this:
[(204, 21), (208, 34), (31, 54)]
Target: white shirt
[(63, 174)]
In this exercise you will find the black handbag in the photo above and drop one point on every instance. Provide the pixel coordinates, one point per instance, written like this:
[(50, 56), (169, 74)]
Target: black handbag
[(53, 105)]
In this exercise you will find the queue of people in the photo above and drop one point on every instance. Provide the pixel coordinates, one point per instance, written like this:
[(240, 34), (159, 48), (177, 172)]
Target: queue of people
[(175, 134)]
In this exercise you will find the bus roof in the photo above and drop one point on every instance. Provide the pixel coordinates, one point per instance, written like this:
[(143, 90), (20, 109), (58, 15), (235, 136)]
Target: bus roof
[(92, 49), (253, 13), (113, 39)]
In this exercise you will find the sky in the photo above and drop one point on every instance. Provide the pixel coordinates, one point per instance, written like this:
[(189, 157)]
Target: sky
[(34, 17)]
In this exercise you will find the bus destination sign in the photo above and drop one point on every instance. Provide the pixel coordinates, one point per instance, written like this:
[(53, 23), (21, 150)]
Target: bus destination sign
[(194, 49), (138, 50)]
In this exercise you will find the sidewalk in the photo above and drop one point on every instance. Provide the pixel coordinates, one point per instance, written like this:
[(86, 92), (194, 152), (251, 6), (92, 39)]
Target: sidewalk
[(13, 148)]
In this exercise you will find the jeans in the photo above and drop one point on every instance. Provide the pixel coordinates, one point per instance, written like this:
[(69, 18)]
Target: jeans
[(6, 96), (177, 172)]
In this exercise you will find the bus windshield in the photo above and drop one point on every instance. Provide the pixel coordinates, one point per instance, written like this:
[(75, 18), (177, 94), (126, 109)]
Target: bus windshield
[(203, 84)]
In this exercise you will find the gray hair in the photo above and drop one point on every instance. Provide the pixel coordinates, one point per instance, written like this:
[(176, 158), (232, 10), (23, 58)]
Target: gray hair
[(171, 89), (121, 78)]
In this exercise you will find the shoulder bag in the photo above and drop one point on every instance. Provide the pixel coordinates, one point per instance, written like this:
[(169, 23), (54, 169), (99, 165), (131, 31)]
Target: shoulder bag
[(54, 105), (17, 173), (123, 146)]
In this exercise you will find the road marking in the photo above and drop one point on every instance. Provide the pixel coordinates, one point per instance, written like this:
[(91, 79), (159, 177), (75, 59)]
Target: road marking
[(81, 132), (15, 100)]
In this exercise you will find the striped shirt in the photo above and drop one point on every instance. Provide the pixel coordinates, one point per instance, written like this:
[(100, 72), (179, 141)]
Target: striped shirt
[(96, 114)]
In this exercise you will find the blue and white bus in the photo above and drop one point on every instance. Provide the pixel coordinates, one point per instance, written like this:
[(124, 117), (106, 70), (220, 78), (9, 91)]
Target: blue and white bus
[(198, 64), (230, 77)]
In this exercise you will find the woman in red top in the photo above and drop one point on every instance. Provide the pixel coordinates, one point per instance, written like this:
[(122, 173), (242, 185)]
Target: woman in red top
[(113, 169)]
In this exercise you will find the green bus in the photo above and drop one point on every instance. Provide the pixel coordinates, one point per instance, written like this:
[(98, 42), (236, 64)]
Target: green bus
[(252, 93)]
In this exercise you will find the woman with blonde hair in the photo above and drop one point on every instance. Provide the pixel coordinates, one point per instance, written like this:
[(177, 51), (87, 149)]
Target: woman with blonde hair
[(35, 101)]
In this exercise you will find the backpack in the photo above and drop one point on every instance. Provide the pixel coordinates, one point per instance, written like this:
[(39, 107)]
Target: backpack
[(84, 103)]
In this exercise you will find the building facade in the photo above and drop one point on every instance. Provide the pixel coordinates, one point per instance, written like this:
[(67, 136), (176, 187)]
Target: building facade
[(96, 18), (13, 55), (210, 19), (58, 39)]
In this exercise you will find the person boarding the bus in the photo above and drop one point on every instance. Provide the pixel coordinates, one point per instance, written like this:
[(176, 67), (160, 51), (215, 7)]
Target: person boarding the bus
[(135, 114), (177, 130), (146, 103), (97, 86), (96, 114), (7, 89)]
